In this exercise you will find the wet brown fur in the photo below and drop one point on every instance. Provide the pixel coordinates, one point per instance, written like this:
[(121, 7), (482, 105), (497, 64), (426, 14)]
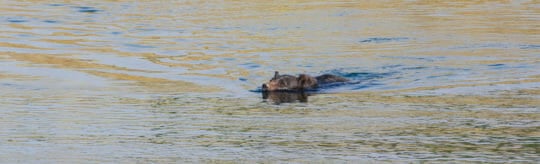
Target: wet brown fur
[(300, 83)]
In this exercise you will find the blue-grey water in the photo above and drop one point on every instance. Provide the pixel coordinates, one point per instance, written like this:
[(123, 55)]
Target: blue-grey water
[(178, 81)]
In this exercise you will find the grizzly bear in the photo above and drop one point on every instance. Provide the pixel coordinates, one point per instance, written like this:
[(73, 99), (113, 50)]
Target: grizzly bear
[(301, 83)]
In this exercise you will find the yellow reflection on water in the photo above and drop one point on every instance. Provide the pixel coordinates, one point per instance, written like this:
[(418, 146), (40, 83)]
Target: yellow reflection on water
[(62, 62)]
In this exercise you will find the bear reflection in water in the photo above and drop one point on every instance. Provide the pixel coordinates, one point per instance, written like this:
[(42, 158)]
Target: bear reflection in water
[(285, 97)]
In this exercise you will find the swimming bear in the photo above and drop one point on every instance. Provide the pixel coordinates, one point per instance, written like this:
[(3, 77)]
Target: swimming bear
[(301, 83)]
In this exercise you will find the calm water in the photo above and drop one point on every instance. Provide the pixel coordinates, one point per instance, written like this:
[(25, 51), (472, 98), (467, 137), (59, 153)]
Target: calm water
[(172, 81)]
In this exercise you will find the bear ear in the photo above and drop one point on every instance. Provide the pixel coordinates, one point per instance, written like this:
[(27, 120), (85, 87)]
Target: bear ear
[(276, 74)]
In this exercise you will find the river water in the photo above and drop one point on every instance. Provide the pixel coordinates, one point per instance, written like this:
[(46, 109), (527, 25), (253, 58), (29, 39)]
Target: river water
[(177, 81)]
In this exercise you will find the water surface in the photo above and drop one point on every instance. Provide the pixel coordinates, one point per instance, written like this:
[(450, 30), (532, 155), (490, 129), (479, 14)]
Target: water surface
[(172, 81)]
